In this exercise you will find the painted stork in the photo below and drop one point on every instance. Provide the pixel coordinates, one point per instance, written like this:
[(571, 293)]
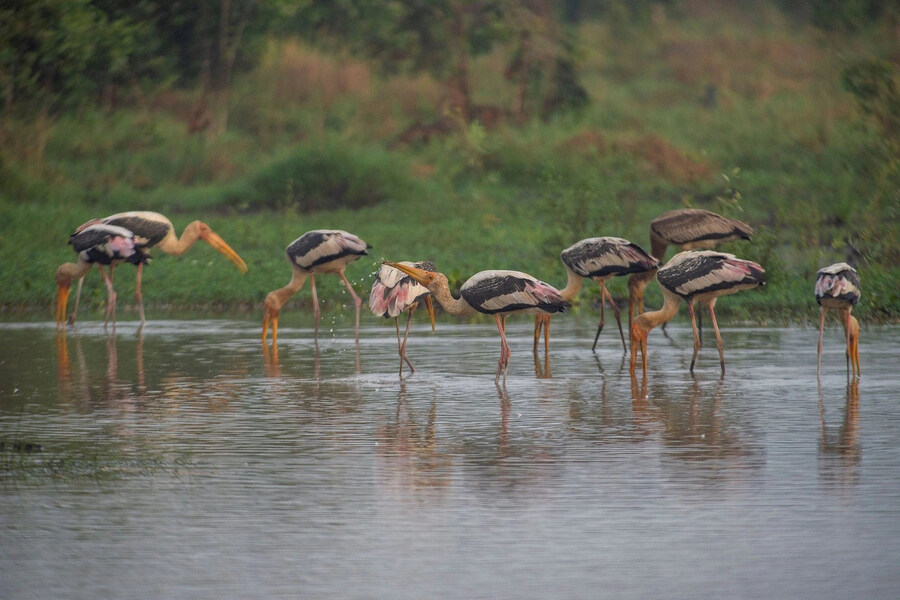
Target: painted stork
[(599, 259), (153, 230), (837, 287), (687, 229), (394, 292), (315, 252), (100, 244), (695, 276), (497, 293)]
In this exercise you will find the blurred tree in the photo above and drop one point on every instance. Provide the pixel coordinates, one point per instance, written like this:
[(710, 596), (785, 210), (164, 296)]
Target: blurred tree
[(57, 53), (441, 37), (542, 64), (876, 85)]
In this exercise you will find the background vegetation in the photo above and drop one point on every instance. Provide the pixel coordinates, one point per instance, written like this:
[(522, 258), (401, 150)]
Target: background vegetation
[(477, 134)]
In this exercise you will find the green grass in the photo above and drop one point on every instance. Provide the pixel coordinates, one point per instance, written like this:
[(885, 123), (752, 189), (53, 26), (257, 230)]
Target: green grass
[(785, 149)]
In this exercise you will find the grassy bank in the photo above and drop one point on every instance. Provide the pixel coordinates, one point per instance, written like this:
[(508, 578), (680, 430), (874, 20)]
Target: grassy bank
[(744, 117)]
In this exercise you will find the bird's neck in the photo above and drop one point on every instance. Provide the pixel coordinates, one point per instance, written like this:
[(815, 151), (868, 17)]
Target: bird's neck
[(658, 247), (280, 296), (638, 281), (177, 246), (454, 306), (655, 318), (574, 282)]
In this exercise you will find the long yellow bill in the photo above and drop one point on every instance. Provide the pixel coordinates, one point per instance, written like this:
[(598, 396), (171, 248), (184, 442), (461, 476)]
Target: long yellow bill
[(216, 241), (421, 275), (62, 298)]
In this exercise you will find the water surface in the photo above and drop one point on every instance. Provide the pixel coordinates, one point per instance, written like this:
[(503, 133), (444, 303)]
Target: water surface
[(187, 462)]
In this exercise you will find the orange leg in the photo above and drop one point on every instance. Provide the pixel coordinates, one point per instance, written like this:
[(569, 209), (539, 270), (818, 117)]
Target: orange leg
[(696, 335), (602, 311), (110, 295), (615, 308), (315, 298), (77, 298), (547, 338), (137, 292), (503, 363), (402, 343), (542, 321), (719, 344), (821, 332), (356, 300), (854, 352)]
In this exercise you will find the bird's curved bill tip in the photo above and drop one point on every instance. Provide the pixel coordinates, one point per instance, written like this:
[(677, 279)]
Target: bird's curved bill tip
[(216, 241)]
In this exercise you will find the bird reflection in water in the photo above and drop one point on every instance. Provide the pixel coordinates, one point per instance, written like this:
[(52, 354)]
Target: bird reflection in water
[(270, 361), (840, 453), (505, 404), (410, 448), (63, 366), (115, 391), (542, 369)]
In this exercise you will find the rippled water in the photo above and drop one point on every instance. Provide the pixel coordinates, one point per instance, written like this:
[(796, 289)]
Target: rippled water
[(188, 463)]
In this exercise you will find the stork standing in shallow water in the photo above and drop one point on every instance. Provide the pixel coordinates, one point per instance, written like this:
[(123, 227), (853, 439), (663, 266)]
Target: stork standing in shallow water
[(496, 293), (394, 292), (315, 252), (153, 230), (694, 276), (100, 244), (599, 259), (687, 229), (838, 288)]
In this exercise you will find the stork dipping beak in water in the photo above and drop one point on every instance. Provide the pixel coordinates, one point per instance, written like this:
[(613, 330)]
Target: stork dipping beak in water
[(496, 293)]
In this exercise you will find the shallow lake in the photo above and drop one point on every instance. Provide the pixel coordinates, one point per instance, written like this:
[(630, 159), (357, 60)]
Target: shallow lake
[(187, 462)]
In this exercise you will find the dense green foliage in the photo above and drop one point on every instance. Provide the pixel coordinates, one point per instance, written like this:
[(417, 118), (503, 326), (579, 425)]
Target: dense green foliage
[(746, 112)]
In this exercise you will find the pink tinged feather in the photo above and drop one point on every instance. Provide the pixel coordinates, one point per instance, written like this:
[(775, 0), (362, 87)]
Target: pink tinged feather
[(543, 291), (120, 246)]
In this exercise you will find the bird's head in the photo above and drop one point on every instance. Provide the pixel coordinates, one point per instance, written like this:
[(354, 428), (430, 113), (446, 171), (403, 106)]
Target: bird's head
[(205, 233), (272, 305), (426, 278)]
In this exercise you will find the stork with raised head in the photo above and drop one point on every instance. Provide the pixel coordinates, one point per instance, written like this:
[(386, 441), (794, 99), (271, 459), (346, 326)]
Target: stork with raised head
[(686, 229), (838, 288), (153, 230), (100, 244), (695, 276), (495, 293), (599, 259), (394, 292), (315, 252)]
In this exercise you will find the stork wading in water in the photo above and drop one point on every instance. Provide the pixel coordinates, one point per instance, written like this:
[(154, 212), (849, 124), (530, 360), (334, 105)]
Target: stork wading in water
[(496, 293), (153, 230), (599, 259), (694, 276), (100, 244), (315, 252), (838, 288), (686, 229), (395, 292)]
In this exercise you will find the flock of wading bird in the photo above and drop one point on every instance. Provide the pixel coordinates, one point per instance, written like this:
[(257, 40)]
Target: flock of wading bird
[(696, 274)]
